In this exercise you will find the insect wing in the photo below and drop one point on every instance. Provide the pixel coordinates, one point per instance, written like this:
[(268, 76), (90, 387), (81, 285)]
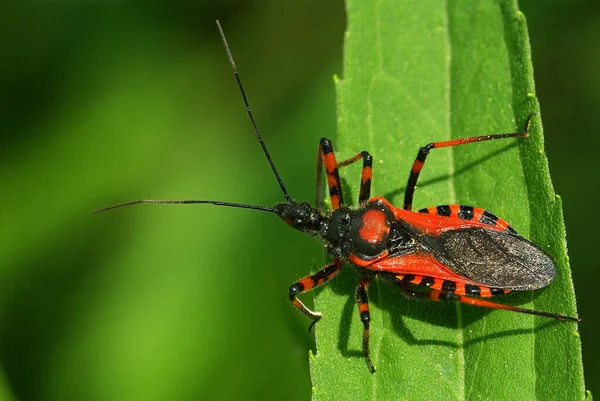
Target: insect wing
[(496, 258), (418, 265)]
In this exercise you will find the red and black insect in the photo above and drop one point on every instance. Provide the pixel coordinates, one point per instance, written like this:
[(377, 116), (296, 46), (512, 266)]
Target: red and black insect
[(443, 253)]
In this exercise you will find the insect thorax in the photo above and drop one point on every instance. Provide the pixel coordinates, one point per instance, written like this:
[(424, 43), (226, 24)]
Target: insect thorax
[(366, 232)]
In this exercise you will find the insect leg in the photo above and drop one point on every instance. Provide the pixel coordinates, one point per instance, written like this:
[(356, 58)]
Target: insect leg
[(365, 176), (310, 282), (362, 299), (444, 295), (326, 157), (424, 151)]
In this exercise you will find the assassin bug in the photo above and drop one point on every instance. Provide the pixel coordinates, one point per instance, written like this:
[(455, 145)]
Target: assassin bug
[(443, 253)]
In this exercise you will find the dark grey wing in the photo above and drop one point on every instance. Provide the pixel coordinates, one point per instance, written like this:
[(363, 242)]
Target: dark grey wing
[(496, 258)]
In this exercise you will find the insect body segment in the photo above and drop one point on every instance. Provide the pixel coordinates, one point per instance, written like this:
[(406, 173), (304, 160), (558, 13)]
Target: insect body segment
[(443, 253)]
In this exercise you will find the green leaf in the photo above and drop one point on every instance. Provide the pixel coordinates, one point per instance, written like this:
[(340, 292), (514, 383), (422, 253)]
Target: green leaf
[(417, 72)]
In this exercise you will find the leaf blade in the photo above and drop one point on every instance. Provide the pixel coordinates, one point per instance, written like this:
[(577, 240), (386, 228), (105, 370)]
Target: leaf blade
[(422, 71)]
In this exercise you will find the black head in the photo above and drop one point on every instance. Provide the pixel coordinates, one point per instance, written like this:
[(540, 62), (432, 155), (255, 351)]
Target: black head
[(301, 216)]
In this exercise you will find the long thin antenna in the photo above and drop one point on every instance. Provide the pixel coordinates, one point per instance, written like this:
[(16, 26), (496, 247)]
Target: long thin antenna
[(184, 202), (252, 120)]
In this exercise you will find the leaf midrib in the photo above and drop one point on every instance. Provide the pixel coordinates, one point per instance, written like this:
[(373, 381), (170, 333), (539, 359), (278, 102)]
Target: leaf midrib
[(460, 351), (452, 196)]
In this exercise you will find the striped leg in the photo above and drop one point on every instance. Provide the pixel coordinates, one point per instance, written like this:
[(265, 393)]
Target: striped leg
[(445, 295), (326, 157), (362, 299), (365, 176), (424, 151), (310, 282)]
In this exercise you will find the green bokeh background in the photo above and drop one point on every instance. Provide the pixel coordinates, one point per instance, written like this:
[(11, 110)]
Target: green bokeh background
[(109, 103)]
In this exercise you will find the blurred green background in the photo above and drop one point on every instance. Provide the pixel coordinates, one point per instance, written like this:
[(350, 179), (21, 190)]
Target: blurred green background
[(104, 103)]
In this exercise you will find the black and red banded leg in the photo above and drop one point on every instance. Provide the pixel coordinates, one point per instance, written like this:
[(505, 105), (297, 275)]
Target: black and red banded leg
[(310, 282), (366, 174), (326, 157), (362, 300), (450, 295), (424, 151)]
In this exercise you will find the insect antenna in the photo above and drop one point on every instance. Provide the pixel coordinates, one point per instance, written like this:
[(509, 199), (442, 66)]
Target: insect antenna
[(185, 202), (252, 120), (260, 140)]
